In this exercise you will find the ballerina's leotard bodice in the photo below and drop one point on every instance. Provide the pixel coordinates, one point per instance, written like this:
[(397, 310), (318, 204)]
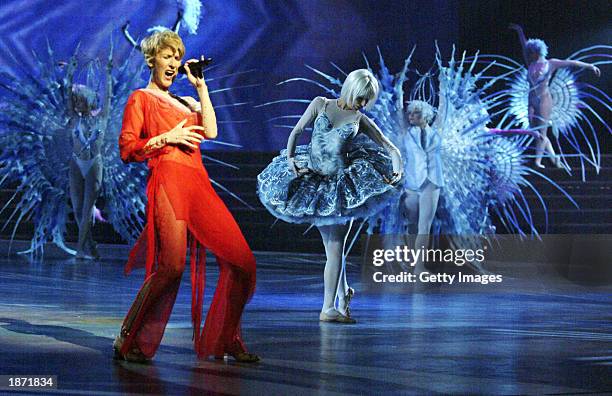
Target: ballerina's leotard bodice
[(328, 144)]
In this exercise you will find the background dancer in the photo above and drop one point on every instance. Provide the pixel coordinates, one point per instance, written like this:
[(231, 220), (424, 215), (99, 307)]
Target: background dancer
[(86, 165), (423, 171), (539, 73)]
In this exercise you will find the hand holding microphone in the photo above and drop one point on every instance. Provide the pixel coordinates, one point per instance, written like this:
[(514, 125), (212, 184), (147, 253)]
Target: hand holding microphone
[(196, 67)]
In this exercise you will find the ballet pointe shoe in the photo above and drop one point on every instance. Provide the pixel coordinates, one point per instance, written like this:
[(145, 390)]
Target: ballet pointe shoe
[(134, 355), (333, 316), (538, 163)]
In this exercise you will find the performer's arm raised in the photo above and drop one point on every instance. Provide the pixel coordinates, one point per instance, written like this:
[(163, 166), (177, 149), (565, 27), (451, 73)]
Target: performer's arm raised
[(522, 39), (209, 118)]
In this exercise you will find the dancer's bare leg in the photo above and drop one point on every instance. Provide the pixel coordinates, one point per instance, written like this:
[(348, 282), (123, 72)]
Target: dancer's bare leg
[(543, 144), (76, 190), (77, 187), (334, 237), (540, 120), (342, 291), (411, 209), (428, 203), (93, 185)]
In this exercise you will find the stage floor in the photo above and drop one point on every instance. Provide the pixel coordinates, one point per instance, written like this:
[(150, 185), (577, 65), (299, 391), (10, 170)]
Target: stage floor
[(60, 317)]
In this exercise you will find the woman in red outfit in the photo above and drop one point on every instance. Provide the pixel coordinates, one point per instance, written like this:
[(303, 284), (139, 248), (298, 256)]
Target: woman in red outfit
[(182, 209)]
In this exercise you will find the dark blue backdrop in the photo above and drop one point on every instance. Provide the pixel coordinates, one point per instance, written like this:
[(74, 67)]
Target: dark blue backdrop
[(277, 37)]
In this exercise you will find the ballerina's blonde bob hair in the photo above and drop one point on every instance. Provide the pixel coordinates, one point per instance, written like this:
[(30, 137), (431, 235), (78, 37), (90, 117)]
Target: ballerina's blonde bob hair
[(360, 84), (154, 43)]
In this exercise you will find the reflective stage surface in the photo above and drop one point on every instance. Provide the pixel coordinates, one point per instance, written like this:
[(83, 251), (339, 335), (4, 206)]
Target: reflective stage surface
[(59, 317)]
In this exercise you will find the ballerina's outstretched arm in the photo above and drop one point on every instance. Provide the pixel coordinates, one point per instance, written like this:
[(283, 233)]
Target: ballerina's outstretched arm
[(559, 63)]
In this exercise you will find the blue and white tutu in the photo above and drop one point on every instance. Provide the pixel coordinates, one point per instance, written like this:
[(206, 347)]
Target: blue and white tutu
[(337, 187)]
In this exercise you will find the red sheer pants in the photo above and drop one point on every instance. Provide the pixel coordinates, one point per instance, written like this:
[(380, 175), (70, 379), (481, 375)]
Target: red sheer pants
[(146, 320)]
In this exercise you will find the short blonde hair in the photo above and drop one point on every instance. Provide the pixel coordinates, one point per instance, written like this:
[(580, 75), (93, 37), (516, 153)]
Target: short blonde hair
[(427, 110), (360, 84), (152, 44)]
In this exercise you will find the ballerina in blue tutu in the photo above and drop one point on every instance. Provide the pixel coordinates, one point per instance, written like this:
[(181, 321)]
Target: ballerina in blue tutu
[(349, 170)]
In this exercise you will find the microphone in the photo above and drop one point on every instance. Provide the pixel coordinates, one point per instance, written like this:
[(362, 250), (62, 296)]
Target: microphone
[(196, 68)]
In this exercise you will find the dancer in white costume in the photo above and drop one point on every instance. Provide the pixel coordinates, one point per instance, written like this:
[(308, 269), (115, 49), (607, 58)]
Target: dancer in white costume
[(423, 171)]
